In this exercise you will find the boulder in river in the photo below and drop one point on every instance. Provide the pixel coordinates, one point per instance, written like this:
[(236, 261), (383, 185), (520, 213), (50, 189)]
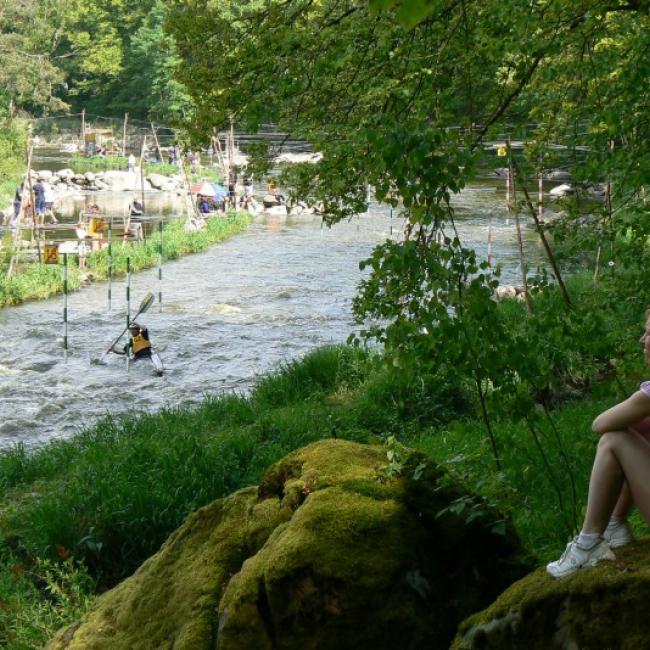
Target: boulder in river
[(330, 551), (600, 607), (157, 180), (120, 181), (65, 174), (270, 201), (562, 190), (45, 175)]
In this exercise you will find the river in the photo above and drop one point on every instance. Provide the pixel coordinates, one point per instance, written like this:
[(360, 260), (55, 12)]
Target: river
[(228, 316)]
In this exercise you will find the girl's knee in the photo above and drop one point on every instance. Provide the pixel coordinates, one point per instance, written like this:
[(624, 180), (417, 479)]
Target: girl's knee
[(608, 441)]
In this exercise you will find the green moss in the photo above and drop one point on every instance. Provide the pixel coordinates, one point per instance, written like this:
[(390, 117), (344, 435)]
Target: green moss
[(601, 607), (327, 553)]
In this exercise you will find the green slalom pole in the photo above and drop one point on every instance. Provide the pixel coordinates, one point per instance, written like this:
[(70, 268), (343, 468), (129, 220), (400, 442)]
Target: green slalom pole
[(110, 264), (128, 304), (160, 259), (65, 306)]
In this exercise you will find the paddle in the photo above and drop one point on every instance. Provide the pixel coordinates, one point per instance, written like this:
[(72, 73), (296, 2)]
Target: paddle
[(147, 301)]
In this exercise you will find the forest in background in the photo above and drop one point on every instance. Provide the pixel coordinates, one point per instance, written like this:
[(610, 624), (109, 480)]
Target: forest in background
[(109, 57)]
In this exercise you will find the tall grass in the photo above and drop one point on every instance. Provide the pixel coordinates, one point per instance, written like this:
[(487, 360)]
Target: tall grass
[(110, 496)]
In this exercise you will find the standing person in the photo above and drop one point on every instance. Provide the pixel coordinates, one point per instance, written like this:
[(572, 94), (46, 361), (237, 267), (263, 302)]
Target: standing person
[(18, 199), (232, 188), (48, 201), (131, 163), (39, 199), (619, 476), (134, 222)]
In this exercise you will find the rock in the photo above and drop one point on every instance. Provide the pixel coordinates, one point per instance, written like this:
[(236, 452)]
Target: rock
[(120, 181), (79, 179), (596, 190), (100, 185), (562, 190), (505, 291), (44, 175), (270, 201), (157, 180), (602, 607), (558, 175), (328, 552), (90, 177), (65, 174), (299, 158)]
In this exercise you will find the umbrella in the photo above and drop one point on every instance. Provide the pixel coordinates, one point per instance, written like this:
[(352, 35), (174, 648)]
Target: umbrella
[(203, 188), (219, 191)]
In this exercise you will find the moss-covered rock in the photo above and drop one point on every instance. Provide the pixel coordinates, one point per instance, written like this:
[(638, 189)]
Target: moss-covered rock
[(600, 607), (328, 552)]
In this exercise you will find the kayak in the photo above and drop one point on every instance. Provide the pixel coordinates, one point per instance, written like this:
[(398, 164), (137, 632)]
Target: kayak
[(157, 363)]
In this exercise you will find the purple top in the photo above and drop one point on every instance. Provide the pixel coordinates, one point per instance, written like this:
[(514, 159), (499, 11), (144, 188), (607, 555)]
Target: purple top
[(645, 387)]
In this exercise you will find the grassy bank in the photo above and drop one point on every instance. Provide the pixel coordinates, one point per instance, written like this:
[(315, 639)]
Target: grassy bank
[(38, 281), (81, 164), (106, 499), (78, 515)]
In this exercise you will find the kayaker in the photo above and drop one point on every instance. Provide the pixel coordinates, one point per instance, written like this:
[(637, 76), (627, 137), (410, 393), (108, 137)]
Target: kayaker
[(139, 345)]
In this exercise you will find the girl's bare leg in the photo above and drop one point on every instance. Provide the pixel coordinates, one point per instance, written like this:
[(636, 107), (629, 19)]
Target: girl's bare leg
[(621, 457), (623, 504)]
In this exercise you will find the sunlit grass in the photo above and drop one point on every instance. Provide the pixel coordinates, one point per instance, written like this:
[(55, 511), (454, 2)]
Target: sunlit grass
[(37, 281)]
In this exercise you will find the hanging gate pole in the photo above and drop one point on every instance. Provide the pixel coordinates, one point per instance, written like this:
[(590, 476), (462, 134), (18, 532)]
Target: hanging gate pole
[(65, 306), (128, 304), (160, 260), (110, 262)]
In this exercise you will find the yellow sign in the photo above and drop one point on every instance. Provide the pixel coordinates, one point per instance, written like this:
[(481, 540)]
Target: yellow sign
[(502, 151), (51, 254)]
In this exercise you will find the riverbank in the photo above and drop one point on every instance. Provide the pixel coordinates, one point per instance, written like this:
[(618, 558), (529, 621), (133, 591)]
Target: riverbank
[(38, 281), (79, 515)]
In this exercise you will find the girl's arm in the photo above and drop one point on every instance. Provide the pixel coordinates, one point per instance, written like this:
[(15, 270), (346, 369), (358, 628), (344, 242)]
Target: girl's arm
[(623, 415)]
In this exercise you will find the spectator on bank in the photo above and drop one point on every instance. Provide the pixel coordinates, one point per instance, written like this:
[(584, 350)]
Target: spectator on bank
[(203, 204), (134, 222), (48, 201), (18, 199), (39, 199)]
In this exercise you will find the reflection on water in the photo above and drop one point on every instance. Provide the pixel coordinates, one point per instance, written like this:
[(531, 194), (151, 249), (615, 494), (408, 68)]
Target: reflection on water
[(228, 315)]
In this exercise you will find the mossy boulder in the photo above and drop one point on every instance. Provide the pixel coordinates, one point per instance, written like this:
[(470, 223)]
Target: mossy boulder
[(328, 552), (600, 607)]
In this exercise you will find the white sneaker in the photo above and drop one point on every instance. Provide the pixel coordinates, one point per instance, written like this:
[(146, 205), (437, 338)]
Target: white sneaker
[(576, 557), (618, 535)]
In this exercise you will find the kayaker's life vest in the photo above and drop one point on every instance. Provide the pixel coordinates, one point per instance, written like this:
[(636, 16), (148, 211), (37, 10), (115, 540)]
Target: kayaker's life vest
[(139, 343)]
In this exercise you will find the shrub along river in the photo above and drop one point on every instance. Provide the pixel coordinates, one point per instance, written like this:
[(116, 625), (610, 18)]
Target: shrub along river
[(228, 315)]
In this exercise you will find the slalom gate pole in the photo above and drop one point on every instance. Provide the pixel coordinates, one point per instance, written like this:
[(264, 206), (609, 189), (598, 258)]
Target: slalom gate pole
[(110, 263), (489, 242), (160, 260), (128, 304), (65, 306), (391, 221)]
